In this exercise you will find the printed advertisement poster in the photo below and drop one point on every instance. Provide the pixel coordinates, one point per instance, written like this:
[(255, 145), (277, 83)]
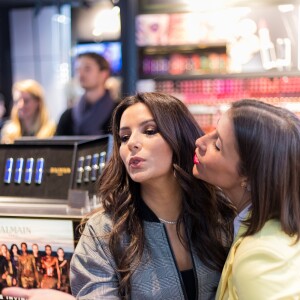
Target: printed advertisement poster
[(35, 253)]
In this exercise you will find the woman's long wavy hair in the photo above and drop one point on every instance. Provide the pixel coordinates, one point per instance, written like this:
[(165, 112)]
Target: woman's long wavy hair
[(207, 212), (268, 141)]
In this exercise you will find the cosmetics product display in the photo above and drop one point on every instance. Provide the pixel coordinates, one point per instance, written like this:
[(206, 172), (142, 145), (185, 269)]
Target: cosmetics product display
[(39, 170), (49, 169), (29, 170), (79, 169), (19, 170), (87, 168), (102, 162), (8, 170), (95, 166)]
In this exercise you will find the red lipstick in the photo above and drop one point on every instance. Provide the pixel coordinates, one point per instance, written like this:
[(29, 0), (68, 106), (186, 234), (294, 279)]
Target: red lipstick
[(196, 161)]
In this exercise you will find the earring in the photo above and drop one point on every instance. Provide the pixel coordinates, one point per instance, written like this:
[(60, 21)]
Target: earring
[(246, 186)]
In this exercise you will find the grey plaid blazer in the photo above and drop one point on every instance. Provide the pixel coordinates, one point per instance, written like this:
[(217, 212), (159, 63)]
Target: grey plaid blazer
[(94, 275)]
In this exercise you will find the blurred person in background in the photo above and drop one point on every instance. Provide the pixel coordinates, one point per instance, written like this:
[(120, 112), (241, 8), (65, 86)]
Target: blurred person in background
[(2, 110), (29, 115), (92, 114)]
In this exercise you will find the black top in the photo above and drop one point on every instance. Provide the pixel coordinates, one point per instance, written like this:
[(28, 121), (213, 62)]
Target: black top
[(98, 113), (188, 279)]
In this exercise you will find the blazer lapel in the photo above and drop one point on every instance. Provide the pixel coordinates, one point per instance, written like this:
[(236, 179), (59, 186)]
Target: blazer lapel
[(226, 278)]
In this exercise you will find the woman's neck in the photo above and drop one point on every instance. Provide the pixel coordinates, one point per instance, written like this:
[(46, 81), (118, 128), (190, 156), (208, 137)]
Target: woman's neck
[(93, 95), (29, 127), (164, 201), (240, 199)]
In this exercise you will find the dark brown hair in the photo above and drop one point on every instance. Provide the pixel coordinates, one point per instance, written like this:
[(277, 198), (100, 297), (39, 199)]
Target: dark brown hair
[(268, 142), (99, 59), (201, 203)]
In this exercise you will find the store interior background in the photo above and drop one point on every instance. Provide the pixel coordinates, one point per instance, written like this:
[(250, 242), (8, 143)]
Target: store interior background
[(208, 53)]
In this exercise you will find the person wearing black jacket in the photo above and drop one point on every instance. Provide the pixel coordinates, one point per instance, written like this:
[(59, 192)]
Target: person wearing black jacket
[(92, 114)]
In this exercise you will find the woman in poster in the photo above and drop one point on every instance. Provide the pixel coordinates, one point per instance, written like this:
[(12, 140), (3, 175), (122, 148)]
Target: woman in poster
[(6, 254), (63, 264), (14, 257)]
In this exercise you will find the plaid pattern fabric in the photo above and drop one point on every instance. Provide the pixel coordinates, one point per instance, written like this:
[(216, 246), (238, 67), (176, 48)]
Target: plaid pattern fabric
[(156, 278)]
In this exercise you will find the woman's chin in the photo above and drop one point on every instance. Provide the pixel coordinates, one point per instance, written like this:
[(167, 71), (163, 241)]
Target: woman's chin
[(196, 172)]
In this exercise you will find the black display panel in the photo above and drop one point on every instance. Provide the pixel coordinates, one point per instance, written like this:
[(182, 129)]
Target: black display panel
[(48, 169)]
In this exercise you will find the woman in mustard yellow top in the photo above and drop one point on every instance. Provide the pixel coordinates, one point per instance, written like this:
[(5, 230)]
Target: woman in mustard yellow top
[(29, 115), (253, 156)]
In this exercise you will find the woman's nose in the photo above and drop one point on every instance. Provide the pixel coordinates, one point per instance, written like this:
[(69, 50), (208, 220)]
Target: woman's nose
[(20, 103), (201, 145), (134, 142)]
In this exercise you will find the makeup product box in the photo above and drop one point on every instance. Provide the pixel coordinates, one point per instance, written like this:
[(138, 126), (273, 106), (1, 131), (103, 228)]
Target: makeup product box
[(47, 170)]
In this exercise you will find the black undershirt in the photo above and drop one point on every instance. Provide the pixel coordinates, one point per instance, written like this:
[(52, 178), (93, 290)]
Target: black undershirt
[(188, 279)]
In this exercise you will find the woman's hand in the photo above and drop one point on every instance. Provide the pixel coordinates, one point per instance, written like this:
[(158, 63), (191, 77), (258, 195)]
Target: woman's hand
[(36, 294)]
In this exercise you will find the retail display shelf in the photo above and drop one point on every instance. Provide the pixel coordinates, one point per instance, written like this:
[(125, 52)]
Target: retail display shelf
[(14, 208), (203, 75)]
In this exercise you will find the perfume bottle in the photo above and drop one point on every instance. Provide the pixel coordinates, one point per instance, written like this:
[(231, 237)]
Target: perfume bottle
[(39, 170), (19, 170), (80, 169), (29, 170), (8, 170)]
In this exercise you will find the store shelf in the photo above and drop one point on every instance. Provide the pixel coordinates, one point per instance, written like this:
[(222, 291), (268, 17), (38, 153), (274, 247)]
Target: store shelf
[(51, 208), (202, 75)]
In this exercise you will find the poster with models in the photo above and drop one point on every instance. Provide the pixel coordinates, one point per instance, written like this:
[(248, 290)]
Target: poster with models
[(35, 253)]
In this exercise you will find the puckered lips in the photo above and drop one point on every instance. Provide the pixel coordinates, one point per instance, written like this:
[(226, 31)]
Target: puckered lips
[(135, 162), (196, 160)]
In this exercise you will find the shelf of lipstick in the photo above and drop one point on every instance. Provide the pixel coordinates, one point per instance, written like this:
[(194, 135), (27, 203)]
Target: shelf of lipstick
[(208, 98), (206, 90), (177, 64)]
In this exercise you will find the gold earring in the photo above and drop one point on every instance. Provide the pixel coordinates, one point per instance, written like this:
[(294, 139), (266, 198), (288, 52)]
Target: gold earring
[(244, 184)]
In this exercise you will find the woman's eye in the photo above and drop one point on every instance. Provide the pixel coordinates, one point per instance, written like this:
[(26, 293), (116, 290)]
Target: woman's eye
[(151, 131), (124, 138), (216, 146)]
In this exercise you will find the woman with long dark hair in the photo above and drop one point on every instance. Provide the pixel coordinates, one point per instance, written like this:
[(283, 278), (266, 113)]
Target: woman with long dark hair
[(160, 233), (14, 257), (253, 156)]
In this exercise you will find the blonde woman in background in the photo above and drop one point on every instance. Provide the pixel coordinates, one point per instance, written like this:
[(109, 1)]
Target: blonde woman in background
[(29, 115)]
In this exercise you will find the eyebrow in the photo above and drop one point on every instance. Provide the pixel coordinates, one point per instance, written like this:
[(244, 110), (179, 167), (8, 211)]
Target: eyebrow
[(141, 124)]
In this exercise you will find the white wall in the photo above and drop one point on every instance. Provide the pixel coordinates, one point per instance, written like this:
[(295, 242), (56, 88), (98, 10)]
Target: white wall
[(41, 47)]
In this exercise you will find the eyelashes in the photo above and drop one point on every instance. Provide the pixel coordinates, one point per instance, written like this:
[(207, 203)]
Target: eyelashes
[(148, 132), (216, 146)]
